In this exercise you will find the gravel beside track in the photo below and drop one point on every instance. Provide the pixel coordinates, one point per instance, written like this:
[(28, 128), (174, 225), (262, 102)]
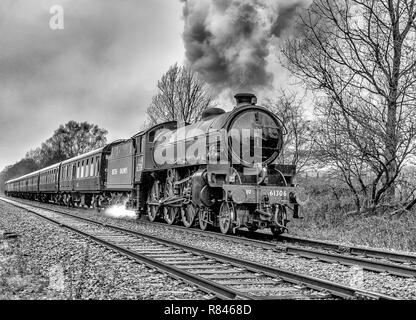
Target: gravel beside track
[(386, 284), (46, 262)]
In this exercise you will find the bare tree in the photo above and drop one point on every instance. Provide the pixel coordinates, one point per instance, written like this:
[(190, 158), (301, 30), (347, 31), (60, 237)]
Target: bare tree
[(298, 144), (361, 54), (182, 96)]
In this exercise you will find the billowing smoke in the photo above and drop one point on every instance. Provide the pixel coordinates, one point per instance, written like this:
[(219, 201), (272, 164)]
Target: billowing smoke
[(228, 41), (119, 211)]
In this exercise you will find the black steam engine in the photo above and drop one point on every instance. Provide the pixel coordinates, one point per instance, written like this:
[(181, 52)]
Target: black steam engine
[(220, 171)]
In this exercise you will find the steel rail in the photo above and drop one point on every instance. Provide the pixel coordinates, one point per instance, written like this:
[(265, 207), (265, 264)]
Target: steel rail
[(335, 289), (354, 250), (366, 264), (370, 265), (220, 291), (265, 239), (292, 277)]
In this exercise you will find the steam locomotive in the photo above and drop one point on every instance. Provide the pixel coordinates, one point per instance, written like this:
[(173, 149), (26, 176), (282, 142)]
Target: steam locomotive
[(218, 172)]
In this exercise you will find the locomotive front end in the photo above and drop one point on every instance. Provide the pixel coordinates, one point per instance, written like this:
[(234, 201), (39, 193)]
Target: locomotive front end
[(258, 192)]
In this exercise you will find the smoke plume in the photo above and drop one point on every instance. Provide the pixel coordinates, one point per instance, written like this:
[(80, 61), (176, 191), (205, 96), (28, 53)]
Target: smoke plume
[(228, 41), (119, 211)]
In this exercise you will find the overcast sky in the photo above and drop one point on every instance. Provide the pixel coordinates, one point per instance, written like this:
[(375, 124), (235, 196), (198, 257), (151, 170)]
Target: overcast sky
[(102, 67)]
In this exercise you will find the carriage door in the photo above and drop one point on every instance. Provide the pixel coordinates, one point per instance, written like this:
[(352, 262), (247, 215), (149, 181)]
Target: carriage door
[(74, 176), (138, 162)]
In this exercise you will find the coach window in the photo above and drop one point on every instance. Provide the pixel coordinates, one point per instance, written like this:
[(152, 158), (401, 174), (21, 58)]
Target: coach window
[(92, 168), (78, 170), (98, 166), (87, 168), (142, 143), (139, 145)]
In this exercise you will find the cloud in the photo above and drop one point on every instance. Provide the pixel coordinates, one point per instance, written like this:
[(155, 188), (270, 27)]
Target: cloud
[(102, 68)]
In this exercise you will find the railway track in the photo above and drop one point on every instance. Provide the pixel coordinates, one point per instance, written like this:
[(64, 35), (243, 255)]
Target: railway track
[(221, 276), (353, 250), (369, 259)]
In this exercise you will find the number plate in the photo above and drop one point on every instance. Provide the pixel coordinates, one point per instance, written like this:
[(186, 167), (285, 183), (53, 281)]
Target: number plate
[(278, 193), (255, 194)]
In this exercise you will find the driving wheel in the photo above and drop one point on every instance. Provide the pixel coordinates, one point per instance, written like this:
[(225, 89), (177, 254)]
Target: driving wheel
[(189, 212), (226, 217), (203, 218), (152, 201), (170, 214)]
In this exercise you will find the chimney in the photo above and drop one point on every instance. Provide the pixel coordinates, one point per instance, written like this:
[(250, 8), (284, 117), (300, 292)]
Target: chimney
[(244, 99)]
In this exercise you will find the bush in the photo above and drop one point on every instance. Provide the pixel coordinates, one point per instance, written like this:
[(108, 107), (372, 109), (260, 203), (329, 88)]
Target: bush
[(328, 216)]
